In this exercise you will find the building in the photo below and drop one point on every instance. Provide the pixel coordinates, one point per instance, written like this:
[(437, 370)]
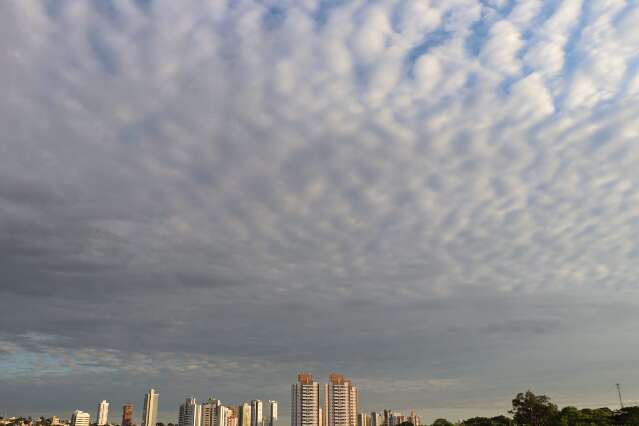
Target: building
[(340, 402), (376, 419), (209, 411), (55, 421), (244, 414), (80, 418), (256, 413), (305, 401), (127, 415), (222, 413), (415, 419), (190, 413), (150, 413), (272, 418), (363, 419), (103, 413), (231, 417), (395, 418)]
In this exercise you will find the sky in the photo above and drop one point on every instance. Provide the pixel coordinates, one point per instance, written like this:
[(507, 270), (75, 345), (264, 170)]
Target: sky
[(437, 198)]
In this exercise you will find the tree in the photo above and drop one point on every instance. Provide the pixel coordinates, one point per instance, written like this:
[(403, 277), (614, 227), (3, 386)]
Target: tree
[(477, 421), (627, 416), (442, 422), (501, 421), (485, 421), (532, 410)]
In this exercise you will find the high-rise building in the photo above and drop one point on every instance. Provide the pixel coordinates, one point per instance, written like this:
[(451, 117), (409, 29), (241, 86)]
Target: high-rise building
[(150, 413), (244, 414), (209, 411), (395, 418), (222, 414), (363, 419), (272, 418), (190, 414), (231, 418), (376, 419), (80, 418), (340, 402), (256, 413), (127, 415), (305, 401), (103, 413), (415, 419)]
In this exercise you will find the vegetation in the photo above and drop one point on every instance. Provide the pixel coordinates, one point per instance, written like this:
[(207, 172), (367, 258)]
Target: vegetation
[(538, 410)]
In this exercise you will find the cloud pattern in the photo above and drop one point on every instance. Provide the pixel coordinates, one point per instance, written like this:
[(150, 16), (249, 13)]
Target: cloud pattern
[(423, 194)]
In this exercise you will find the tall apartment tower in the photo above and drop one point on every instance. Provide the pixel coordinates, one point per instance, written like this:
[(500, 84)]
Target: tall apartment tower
[(103, 413), (209, 411), (127, 415), (305, 401), (376, 419), (150, 413), (363, 419), (256, 413), (244, 414), (223, 415), (190, 414), (340, 402), (80, 418), (272, 418), (415, 419)]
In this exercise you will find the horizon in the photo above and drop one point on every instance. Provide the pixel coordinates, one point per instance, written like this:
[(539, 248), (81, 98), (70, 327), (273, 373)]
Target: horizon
[(438, 198)]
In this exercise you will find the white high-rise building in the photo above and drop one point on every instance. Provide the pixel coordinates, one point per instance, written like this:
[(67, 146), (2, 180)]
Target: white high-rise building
[(150, 413), (224, 415), (305, 401), (190, 414), (103, 413), (256, 413), (80, 418), (209, 411), (340, 402), (244, 414), (272, 419)]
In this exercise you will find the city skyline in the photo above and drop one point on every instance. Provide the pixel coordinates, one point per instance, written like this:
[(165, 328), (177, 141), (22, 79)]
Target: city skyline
[(438, 199)]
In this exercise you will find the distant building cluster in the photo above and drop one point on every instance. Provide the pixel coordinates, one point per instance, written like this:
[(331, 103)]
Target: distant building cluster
[(334, 403), (339, 405)]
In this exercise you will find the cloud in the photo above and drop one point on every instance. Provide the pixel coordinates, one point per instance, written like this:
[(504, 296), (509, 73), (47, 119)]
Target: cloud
[(412, 192)]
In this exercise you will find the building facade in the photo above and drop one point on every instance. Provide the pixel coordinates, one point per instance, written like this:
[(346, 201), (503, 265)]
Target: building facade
[(127, 415), (102, 417), (80, 418), (305, 401), (150, 413), (209, 411), (256, 413), (415, 419), (272, 418), (190, 414), (340, 402), (244, 414)]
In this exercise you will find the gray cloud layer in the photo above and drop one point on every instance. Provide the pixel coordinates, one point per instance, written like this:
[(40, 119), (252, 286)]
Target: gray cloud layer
[(437, 198)]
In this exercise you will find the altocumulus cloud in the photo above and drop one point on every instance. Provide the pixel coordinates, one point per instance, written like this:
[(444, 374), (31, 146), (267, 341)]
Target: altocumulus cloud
[(438, 198)]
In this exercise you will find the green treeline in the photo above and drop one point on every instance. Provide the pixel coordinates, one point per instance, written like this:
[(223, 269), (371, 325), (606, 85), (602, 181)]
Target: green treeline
[(538, 410)]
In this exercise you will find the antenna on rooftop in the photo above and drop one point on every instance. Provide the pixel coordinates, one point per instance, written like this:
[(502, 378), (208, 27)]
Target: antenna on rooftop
[(619, 392)]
